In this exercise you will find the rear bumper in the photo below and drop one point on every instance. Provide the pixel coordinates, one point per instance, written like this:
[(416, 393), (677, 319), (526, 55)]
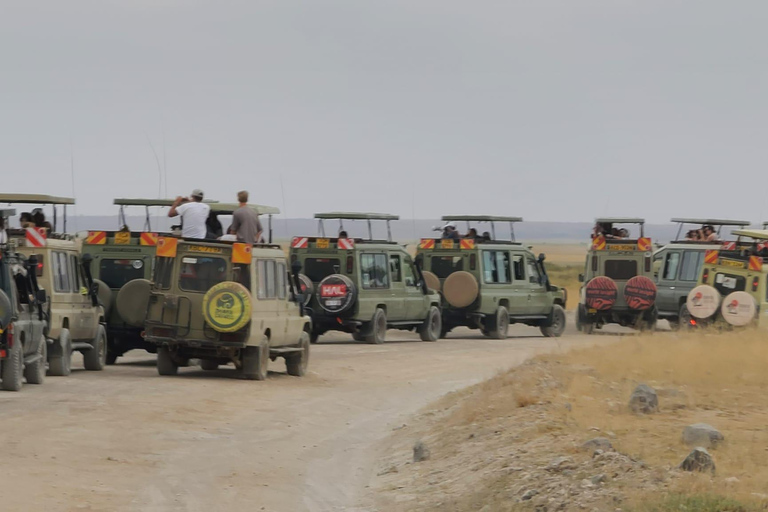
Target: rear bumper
[(194, 342)]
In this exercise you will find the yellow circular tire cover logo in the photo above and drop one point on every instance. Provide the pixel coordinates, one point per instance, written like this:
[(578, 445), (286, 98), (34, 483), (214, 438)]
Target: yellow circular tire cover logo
[(227, 307)]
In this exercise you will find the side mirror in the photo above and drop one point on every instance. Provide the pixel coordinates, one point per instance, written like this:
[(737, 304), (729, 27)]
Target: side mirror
[(542, 257), (581, 278)]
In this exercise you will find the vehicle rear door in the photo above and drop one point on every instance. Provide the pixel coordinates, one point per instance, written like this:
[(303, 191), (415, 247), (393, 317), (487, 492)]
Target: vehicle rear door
[(538, 299), (396, 307), (666, 294), (375, 285), (86, 313), (416, 301)]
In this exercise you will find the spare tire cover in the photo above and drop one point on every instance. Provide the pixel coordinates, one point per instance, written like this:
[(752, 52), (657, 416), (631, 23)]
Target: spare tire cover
[(6, 310), (336, 293), (640, 293), (703, 301), (738, 309), (460, 289), (132, 301), (104, 293), (432, 281), (307, 288), (227, 306), (601, 293)]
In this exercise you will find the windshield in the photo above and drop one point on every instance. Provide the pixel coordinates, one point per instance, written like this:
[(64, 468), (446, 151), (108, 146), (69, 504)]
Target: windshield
[(200, 274), (115, 273), (620, 269), (317, 269), (443, 266), (727, 283)]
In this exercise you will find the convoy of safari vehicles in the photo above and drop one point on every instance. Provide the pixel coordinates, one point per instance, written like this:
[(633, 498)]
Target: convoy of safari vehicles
[(221, 302), (487, 283), (363, 286)]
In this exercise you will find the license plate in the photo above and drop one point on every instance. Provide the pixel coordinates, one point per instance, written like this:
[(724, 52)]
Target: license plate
[(732, 263), (622, 247), (334, 302), (122, 238), (592, 311), (446, 244), (322, 243)]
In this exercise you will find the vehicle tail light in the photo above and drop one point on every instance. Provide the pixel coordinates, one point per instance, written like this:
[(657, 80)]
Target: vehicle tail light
[(693, 321), (705, 276), (472, 261), (3, 354), (350, 264), (755, 283), (648, 264)]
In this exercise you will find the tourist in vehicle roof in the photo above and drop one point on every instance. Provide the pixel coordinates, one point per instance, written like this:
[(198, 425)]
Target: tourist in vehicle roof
[(246, 222), (193, 212), (709, 233), (450, 231)]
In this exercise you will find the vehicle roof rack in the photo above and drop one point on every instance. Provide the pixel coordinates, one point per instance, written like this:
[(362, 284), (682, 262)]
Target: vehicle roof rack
[(757, 234), (714, 222), (620, 220), (229, 208), (35, 199), (355, 216), (480, 218), (368, 217)]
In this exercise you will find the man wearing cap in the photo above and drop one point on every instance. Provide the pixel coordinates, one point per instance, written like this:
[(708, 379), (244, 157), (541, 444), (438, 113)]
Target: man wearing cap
[(193, 214), (450, 231)]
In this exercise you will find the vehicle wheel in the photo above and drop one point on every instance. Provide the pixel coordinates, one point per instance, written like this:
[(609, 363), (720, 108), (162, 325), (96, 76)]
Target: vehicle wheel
[(647, 322), (166, 365), (209, 365), (60, 365), (296, 364), (432, 327), (555, 323), (95, 359), (35, 372), (13, 368), (684, 318), (499, 324), (255, 361), (378, 328)]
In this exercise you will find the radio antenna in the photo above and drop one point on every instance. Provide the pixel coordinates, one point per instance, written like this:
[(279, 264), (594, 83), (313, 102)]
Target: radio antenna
[(72, 175), (285, 208)]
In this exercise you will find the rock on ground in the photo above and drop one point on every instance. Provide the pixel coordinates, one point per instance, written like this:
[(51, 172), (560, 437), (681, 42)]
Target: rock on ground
[(644, 400), (703, 435), (420, 452), (699, 460), (598, 443)]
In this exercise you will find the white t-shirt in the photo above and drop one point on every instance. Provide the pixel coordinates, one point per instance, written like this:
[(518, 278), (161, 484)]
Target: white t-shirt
[(193, 216)]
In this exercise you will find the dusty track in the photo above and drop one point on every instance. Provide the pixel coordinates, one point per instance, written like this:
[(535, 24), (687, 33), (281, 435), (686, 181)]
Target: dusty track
[(127, 439)]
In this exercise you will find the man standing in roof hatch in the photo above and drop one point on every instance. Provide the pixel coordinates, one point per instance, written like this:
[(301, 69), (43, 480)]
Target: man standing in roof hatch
[(193, 214), (245, 221)]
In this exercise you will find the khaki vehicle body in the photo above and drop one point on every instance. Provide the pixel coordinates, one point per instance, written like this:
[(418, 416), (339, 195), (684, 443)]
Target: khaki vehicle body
[(677, 267), (23, 345), (616, 269), (734, 282), (75, 317), (174, 316), (488, 284), (364, 286)]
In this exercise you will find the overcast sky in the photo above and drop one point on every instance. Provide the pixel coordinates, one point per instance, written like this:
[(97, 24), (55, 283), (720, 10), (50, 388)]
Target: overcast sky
[(548, 110)]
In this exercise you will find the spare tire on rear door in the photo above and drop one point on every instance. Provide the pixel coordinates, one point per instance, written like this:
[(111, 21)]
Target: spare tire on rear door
[(600, 293), (703, 301), (432, 281), (640, 293), (227, 306), (460, 289), (336, 293), (739, 309), (105, 294), (307, 288), (132, 301)]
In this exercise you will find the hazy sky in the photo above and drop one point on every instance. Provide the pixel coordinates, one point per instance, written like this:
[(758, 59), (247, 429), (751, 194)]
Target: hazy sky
[(549, 110)]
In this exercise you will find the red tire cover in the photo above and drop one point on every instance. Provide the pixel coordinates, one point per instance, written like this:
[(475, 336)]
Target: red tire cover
[(640, 293), (601, 293)]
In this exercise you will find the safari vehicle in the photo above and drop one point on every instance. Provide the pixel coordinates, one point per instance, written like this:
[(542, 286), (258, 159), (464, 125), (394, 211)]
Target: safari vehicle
[(487, 284), (618, 279), (23, 346), (364, 286), (124, 255), (732, 288), (677, 267), (75, 317), (220, 302)]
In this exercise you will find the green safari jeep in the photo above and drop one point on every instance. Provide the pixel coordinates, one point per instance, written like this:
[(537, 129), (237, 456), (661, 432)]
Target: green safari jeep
[(364, 286), (618, 279), (487, 284)]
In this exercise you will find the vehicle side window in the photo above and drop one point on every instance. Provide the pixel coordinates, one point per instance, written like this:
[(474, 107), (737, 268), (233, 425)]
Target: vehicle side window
[(373, 269), (76, 282), (410, 273), (692, 261), (670, 266), (517, 262), (282, 283), (394, 268), (60, 272), (496, 268), (534, 276), (267, 288)]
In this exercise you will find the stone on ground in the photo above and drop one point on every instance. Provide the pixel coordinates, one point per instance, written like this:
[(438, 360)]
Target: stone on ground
[(703, 435), (644, 400)]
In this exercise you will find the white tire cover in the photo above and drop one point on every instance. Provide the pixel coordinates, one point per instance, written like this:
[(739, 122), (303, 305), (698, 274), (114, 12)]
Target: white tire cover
[(703, 301), (738, 309)]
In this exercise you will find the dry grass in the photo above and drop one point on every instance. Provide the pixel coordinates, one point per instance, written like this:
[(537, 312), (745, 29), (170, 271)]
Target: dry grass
[(549, 407)]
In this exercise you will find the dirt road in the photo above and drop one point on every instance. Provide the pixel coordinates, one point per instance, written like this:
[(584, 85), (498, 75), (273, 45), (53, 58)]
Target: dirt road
[(129, 440)]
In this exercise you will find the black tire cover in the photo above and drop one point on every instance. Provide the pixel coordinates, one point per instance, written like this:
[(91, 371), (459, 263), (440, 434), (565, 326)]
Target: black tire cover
[(132, 301), (336, 293), (6, 310), (307, 288)]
